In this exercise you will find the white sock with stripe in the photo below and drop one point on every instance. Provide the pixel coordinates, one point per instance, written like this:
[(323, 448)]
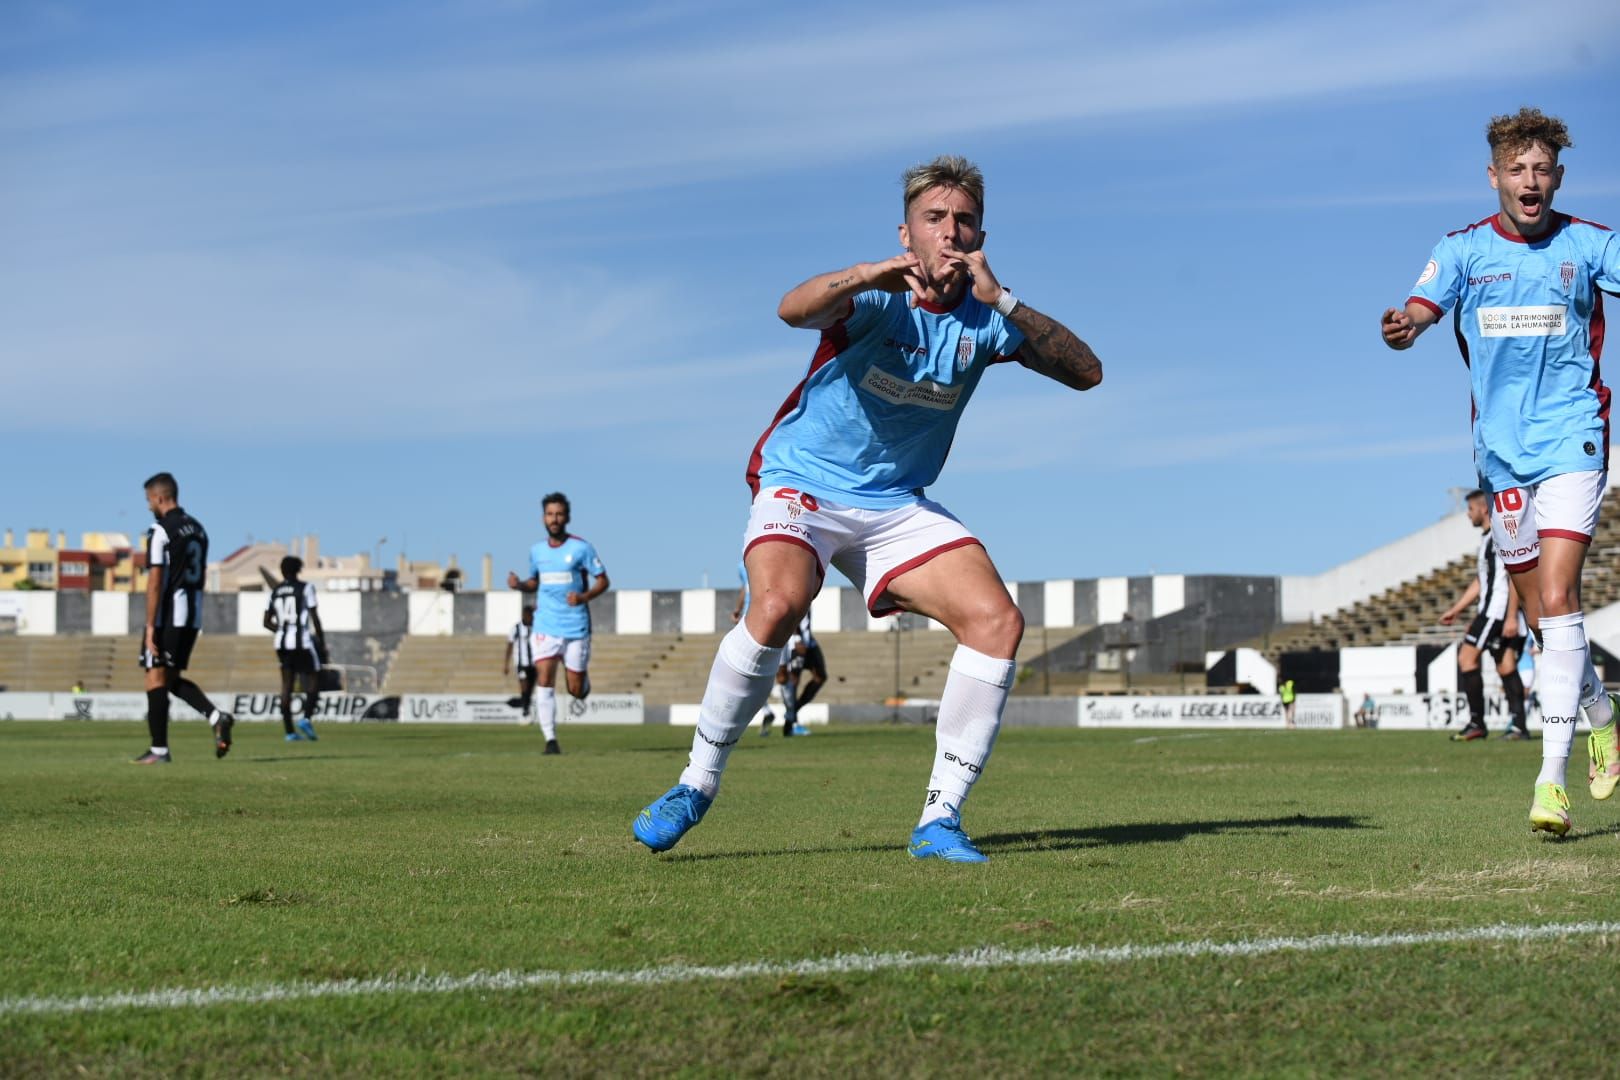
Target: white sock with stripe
[(743, 674), (545, 710), (1563, 662), (969, 718)]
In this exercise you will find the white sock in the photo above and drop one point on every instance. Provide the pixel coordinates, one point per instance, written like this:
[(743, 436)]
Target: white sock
[(969, 717), (1563, 662), (1594, 698), (545, 710), (743, 673), (160, 749)]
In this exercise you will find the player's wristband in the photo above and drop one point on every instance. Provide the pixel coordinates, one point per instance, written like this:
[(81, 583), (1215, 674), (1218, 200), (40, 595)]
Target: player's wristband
[(1006, 304)]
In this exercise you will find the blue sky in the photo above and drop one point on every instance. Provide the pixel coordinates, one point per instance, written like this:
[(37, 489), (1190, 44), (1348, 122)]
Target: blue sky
[(400, 269)]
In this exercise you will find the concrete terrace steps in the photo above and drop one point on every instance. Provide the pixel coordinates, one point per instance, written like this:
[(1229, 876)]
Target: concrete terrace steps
[(472, 665), (54, 663), (1410, 613)]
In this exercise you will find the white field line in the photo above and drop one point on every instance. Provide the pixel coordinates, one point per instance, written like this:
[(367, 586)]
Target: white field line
[(843, 964)]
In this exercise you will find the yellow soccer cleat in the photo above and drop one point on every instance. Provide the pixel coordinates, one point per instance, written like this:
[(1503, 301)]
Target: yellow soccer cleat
[(1549, 812), (1602, 749)]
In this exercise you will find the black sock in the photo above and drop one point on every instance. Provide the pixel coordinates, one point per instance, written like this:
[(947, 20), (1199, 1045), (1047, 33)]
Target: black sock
[(809, 693), (190, 693), (312, 705), (1473, 686), (1513, 687), (157, 716)]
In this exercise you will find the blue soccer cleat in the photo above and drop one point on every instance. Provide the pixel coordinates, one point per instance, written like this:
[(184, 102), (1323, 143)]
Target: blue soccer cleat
[(293, 736), (306, 728), (944, 839), (661, 825)]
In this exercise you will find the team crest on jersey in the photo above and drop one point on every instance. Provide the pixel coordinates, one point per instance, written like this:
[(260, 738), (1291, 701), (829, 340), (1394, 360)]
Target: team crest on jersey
[(1566, 275), (1429, 271), (964, 352), (1510, 524)]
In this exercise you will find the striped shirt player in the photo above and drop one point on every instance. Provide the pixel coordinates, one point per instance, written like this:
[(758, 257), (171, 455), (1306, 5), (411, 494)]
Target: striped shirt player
[(521, 640), (292, 603), (519, 658), (1488, 632), (176, 567), (840, 478), (177, 553), (1524, 288), (293, 618), (566, 574), (1495, 629)]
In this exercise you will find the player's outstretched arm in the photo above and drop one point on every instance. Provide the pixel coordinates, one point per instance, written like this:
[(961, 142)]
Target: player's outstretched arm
[(824, 299), (1401, 328), (1053, 350)]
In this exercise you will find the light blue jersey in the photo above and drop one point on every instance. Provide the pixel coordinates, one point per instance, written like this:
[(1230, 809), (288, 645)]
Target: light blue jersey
[(1529, 320), (569, 567), (872, 421)]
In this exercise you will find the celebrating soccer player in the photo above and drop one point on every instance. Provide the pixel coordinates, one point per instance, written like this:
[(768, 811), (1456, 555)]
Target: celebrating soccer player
[(838, 478), (1526, 284), (567, 573)]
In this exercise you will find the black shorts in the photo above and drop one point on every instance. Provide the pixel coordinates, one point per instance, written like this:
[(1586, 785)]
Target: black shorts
[(174, 646), (1485, 634), (813, 660), (299, 661)]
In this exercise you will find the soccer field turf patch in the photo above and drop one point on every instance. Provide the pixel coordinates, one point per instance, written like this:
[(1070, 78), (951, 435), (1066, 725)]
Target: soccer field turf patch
[(395, 854)]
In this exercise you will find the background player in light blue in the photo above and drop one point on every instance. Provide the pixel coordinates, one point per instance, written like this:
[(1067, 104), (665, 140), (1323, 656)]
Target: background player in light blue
[(567, 574), (1526, 284), (838, 478)]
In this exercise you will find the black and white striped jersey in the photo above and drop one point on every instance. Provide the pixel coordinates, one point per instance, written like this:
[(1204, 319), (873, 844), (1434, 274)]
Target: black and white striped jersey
[(291, 602), (177, 548), (1493, 580), (522, 639)]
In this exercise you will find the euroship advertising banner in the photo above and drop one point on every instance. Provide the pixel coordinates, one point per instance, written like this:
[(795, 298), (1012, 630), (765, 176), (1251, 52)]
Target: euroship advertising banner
[(1320, 711), (333, 708)]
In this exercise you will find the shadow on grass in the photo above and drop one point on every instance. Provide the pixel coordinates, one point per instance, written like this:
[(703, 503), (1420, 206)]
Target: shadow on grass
[(1158, 832), (1100, 836), (1591, 834)]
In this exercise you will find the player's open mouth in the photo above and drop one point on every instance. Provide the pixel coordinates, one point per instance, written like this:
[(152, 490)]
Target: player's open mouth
[(1531, 204)]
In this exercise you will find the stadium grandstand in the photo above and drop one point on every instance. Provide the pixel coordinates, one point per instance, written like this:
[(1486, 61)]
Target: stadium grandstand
[(1154, 634)]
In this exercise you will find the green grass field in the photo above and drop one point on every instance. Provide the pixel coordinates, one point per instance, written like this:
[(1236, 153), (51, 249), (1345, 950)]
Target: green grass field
[(393, 851)]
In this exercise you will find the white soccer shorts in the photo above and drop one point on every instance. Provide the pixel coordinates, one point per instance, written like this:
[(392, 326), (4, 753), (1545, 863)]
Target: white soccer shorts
[(575, 651), (1564, 506), (870, 547)]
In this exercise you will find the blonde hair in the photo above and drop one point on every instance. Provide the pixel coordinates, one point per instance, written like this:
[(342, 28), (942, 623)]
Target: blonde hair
[(947, 170), (1512, 134)]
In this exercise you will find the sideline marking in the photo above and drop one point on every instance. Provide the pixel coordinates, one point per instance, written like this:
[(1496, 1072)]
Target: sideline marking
[(842, 964)]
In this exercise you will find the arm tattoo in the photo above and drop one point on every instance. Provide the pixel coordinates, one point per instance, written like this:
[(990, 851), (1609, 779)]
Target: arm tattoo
[(1052, 349), (839, 284)]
